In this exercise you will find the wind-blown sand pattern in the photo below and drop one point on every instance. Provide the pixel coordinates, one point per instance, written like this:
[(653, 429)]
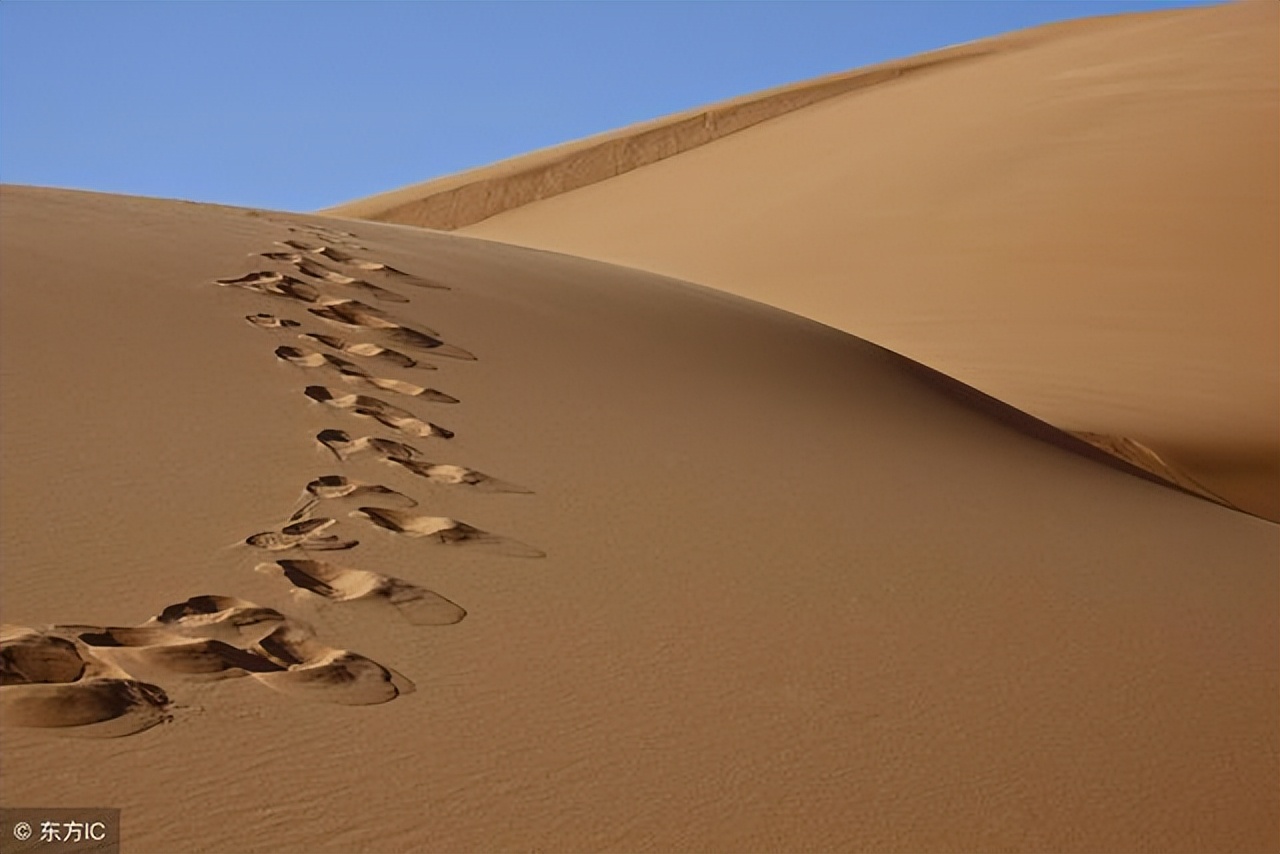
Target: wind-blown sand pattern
[(799, 592)]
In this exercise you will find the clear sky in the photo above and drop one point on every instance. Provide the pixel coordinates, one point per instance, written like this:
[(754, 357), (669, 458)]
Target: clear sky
[(300, 105)]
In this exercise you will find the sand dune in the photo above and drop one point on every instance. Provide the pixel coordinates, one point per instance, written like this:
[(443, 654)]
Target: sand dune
[(795, 591), (1081, 220), (456, 201)]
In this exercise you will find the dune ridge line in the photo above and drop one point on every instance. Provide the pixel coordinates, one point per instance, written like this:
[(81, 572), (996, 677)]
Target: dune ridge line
[(456, 201)]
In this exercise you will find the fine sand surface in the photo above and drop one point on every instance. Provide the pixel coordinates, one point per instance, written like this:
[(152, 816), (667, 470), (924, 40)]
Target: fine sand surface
[(1082, 220), (461, 546)]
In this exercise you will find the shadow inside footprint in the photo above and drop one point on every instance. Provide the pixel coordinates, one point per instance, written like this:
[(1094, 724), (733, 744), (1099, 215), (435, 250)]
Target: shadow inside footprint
[(333, 487), (48, 681), (368, 351), (272, 283), (445, 531), (452, 475), (412, 338), (139, 650), (419, 606), (349, 312), (222, 617), (29, 657), (307, 535), (348, 260), (95, 707), (352, 372), (342, 445), (315, 672), (381, 411), (270, 321)]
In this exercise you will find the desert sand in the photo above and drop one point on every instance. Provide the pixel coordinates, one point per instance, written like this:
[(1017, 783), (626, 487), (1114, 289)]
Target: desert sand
[(466, 546), (320, 533), (1082, 220)]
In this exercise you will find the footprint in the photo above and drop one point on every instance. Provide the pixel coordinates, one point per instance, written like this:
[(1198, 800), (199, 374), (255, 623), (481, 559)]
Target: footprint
[(286, 654), (316, 672), (368, 351), (440, 529), (270, 321), (357, 315), (253, 280), (333, 487), (340, 443), (419, 606), (146, 651), (275, 284), (453, 475), (300, 245), (379, 410), (304, 358), (354, 373), (306, 535), (336, 486), (349, 260), (29, 657), (98, 707), (48, 682), (300, 357), (318, 271), (353, 313), (409, 389), (225, 618)]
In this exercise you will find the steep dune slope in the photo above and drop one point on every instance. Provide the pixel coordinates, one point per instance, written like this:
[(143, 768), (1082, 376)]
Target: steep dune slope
[(1084, 224), (735, 581)]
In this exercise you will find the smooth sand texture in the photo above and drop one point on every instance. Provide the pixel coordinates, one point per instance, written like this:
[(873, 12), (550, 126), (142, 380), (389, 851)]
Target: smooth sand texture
[(1081, 220), (797, 593)]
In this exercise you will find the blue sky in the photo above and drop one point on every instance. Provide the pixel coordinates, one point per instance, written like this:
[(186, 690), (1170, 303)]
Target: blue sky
[(299, 105)]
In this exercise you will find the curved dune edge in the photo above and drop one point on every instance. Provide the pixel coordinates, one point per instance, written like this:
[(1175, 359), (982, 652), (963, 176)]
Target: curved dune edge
[(1137, 454), (469, 197), (1115, 452)]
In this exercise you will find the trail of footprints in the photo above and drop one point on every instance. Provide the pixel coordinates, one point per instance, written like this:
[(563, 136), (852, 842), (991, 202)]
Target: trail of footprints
[(106, 681)]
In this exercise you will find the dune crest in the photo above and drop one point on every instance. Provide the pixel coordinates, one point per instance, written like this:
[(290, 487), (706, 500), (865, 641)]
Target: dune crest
[(457, 201)]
